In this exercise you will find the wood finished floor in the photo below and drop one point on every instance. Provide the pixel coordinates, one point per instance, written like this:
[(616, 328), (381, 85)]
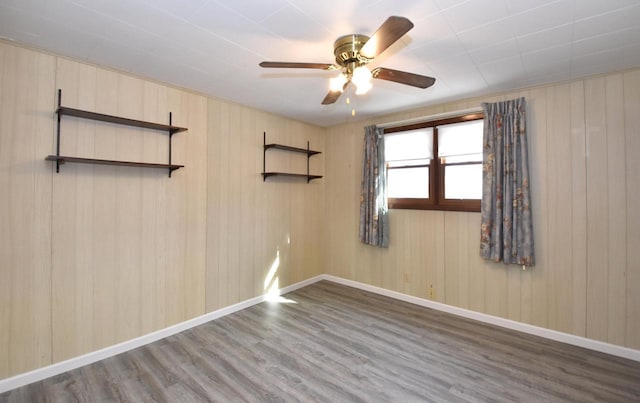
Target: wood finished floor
[(338, 344)]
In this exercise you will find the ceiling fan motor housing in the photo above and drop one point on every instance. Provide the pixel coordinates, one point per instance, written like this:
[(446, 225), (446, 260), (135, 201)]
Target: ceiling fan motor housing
[(347, 51)]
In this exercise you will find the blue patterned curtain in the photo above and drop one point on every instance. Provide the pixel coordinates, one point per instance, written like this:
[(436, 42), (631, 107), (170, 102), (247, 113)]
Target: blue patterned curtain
[(507, 228), (374, 220)]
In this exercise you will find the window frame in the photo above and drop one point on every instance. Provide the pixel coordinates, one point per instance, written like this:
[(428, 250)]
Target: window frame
[(436, 200)]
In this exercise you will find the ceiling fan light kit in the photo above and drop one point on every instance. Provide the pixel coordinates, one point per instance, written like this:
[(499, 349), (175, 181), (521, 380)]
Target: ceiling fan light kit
[(353, 52)]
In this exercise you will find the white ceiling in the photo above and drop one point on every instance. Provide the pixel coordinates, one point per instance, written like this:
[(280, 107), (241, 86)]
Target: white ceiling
[(472, 47)]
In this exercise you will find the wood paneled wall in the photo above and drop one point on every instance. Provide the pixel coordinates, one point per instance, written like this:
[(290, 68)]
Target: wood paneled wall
[(128, 244), (96, 255), (26, 136), (585, 167), (254, 226)]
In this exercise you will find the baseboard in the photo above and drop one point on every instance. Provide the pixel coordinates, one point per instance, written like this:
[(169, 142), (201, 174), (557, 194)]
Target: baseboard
[(89, 358), (591, 344)]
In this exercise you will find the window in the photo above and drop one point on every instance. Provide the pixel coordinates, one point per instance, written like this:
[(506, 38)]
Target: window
[(451, 181)]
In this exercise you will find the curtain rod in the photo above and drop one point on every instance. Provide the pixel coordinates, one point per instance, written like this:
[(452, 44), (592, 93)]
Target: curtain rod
[(429, 118)]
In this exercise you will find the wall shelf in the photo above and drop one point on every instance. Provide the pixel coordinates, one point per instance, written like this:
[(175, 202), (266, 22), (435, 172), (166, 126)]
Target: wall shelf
[(65, 111), (283, 147), (309, 177), (61, 159), (292, 149)]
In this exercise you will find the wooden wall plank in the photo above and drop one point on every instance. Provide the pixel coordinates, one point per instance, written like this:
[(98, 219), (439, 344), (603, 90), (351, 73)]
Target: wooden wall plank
[(149, 312), (215, 153), (104, 240), (66, 314), (451, 258), (631, 87), (42, 183), (559, 207), (597, 208), (463, 260), (617, 210), (247, 174), (5, 275), (540, 274), (176, 217), (196, 188), (514, 293), (476, 266), (579, 209), (128, 211)]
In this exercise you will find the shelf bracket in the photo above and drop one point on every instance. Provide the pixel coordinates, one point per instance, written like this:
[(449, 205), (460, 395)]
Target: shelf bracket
[(170, 141), (58, 131), (308, 156), (264, 155)]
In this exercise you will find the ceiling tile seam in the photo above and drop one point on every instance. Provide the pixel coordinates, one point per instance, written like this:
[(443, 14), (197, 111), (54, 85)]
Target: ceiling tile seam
[(467, 52), (308, 16), (109, 17), (223, 38), (607, 12), (451, 6), (535, 8), (573, 38), (250, 21), (154, 5), (273, 13), (588, 39)]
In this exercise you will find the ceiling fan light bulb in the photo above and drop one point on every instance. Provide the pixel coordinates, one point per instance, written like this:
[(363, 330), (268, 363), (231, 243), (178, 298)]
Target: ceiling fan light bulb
[(361, 76), (363, 88), (337, 83)]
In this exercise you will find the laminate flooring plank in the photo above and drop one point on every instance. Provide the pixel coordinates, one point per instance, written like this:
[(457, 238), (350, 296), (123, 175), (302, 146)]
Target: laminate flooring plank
[(333, 343)]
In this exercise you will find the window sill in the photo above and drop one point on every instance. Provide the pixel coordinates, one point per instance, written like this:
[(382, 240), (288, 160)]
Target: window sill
[(471, 206)]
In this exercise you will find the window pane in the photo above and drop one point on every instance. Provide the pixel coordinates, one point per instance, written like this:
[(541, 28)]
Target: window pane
[(460, 139), (463, 182), (409, 145), (408, 183)]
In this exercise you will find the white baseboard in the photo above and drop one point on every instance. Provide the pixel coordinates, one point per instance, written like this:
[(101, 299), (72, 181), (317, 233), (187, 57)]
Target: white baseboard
[(591, 344), (89, 358)]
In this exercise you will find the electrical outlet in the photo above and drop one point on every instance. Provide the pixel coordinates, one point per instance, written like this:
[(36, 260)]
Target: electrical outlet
[(431, 292)]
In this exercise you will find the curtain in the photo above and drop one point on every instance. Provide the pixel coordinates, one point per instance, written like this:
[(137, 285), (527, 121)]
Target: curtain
[(374, 220), (506, 224)]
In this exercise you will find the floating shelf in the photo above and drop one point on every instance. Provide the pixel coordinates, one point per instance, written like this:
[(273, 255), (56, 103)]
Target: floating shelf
[(63, 160), (283, 147), (101, 117)]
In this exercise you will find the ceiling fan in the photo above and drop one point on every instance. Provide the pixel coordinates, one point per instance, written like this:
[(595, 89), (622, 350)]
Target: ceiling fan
[(353, 52)]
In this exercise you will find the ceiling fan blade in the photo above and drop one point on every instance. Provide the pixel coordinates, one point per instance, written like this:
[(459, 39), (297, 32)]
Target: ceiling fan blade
[(332, 97), (293, 65), (402, 77), (390, 31)]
